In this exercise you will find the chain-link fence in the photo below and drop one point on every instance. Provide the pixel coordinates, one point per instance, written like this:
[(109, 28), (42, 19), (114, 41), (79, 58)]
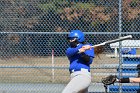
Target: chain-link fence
[(33, 40)]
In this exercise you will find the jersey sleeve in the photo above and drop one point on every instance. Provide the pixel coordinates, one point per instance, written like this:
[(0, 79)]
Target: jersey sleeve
[(90, 53), (72, 51)]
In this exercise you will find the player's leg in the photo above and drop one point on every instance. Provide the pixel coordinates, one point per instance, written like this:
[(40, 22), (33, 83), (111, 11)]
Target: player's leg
[(84, 91), (78, 84)]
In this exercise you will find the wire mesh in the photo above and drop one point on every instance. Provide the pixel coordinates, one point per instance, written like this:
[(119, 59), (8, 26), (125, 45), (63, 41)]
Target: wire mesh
[(33, 41)]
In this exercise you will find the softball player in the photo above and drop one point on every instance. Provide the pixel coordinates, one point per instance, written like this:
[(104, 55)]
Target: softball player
[(80, 56)]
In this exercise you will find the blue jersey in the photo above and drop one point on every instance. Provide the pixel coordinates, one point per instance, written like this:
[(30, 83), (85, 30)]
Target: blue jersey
[(75, 59)]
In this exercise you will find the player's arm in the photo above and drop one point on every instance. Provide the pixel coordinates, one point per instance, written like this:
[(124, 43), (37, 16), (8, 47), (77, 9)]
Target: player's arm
[(85, 57), (72, 51), (137, 80), (129, 80), (97, 50), (88, 58), (113, 78)]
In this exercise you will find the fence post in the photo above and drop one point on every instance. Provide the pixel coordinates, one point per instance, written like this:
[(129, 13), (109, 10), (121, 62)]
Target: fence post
[(52, 65)]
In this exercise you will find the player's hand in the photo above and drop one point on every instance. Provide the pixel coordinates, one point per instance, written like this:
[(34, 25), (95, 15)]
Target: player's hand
[(87, 47), (81, 50), (84, 48)]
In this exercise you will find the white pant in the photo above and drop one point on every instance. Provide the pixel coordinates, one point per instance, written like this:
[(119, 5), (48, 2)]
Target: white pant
[(80, 81)]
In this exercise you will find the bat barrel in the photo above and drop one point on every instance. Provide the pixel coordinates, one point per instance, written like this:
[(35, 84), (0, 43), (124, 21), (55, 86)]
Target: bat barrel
[(119, 39), (126, 37), (115, 40)]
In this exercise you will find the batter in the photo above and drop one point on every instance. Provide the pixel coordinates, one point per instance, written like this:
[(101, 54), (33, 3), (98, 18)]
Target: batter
[(80, 56)]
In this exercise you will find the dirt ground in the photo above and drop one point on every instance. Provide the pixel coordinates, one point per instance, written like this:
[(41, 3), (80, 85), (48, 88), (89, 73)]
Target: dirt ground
[(25, 69)]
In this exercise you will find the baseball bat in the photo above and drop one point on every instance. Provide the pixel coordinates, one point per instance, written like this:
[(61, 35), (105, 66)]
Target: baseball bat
[(113, 41)]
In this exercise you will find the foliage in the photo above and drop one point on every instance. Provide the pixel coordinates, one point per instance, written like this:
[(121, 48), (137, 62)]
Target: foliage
[(83, 6), (61, 15)]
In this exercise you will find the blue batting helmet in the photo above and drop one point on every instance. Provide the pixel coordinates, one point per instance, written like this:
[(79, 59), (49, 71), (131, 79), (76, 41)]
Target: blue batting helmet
[(79, 35)]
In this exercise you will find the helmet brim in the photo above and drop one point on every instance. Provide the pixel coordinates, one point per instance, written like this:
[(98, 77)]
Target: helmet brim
[(71, 38)]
